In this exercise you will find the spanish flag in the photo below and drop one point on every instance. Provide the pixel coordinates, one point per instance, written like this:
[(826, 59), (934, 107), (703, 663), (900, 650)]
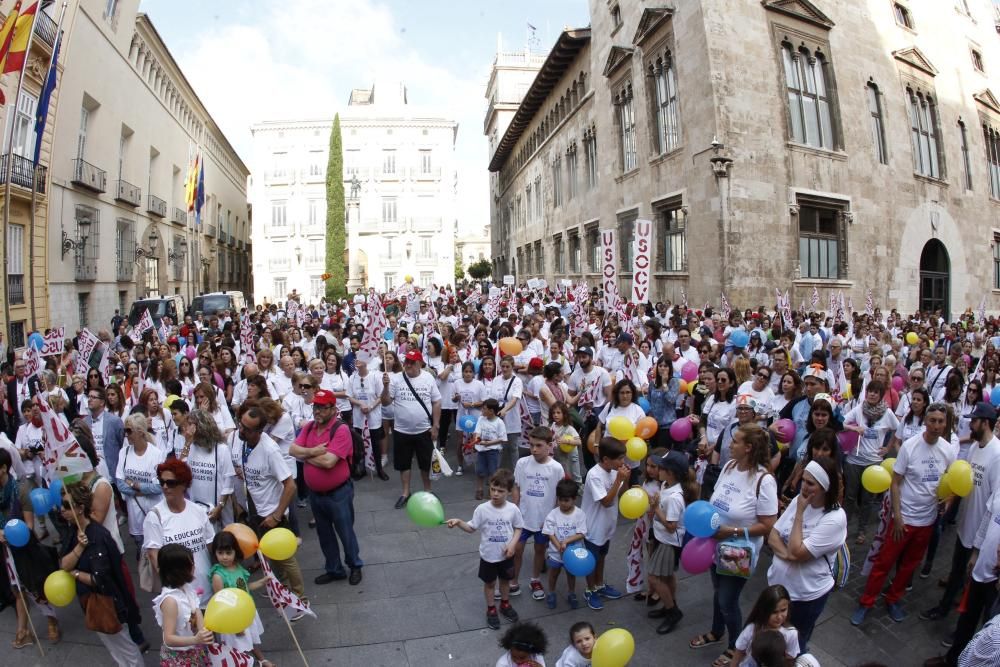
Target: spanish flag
[(25, 23), (191, 184), (6, 36)]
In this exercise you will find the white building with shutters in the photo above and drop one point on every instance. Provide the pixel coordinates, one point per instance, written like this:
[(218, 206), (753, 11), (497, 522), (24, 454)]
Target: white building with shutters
[(400, 187)]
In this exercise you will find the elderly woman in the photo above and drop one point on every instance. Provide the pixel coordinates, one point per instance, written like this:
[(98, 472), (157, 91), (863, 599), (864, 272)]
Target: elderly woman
[(804, 541), (136, 474), (178, 519), (206, 398), (211, 463), (93, 559)]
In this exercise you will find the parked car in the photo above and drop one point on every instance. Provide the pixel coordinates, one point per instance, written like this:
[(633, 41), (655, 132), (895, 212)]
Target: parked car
[(171, 306), (211, 303)]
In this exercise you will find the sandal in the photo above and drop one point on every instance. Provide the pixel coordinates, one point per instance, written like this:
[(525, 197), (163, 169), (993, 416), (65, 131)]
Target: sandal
[(55, 634), (860, 539), (725, 659), (639, 597), (22, 639), (701, 641)]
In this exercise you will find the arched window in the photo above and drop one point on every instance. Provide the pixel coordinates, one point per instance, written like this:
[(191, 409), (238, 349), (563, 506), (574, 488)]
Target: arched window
[(877, 127), (808, 97), (666, 109), (923, 133)]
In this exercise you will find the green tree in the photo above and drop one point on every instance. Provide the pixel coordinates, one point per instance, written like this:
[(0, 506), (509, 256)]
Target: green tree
[(336, 219), (480, 270), (459, 271)]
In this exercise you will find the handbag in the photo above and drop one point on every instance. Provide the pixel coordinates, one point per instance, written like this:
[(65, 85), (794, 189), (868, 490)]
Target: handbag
[(736, 556), (148, 580), (100, 614)]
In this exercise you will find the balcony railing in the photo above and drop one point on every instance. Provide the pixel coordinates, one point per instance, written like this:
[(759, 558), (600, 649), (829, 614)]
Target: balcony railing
[(426, 259), (390, 225), (124, 269), (314, 176), (86, 270), (232, 241), (45, 28), (210, 230), (20, 170), (279, 263), (15, 288), (239, 245), (389, 260), (88, 176), (428, 175), (222, 234), (156, 206), (180, 216), (127, 193), (360, 172)]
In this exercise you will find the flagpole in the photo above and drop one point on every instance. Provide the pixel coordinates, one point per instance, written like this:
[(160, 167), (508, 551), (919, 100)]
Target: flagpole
[(24, 603), (9, 171)]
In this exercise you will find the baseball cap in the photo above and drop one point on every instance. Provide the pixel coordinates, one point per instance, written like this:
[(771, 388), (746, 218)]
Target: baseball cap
[(746, 401), (624, 338), (673, 461), (324, 397), (984, 410), (589, 351), (414, 355), (535, 363)]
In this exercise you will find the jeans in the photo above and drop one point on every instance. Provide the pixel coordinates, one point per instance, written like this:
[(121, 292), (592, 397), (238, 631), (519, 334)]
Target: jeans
[(977, 608), (334, 511), (803, 614), (726, 615), (956, 578)]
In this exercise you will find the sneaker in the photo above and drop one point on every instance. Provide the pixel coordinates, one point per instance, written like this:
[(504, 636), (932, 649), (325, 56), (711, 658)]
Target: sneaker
[(896, 612), (550, 600), (385, 460), (574, 602), (909, 587), (537, 592), (933, 614), (610, 592), (593, 600), (925, 571), (401, 503), (493, 619), (858, 617), (302, 504), (515, 589), (509, 613), (458, 471)]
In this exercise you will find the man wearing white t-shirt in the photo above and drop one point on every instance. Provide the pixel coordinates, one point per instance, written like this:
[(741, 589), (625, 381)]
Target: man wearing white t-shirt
[(416, 403), (921, 463), (984, 458), (589, 389)]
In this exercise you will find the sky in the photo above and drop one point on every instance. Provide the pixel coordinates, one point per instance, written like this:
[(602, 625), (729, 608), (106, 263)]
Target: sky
[(251, 60)]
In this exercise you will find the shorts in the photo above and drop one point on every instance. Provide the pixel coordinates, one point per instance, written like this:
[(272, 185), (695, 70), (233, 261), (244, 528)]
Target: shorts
[(540, 537), (598, 551), (487, 463), (405, 445), (489, 572), (662, 561), (553, 564), (377, 434)]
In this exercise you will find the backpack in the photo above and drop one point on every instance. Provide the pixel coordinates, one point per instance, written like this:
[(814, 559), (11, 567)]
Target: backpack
[(840, 567), (356, 460)]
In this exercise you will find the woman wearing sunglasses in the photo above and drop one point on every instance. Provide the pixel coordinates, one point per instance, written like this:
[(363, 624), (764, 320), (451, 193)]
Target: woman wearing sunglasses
[(177, 519), (136, 474), (92, 557)]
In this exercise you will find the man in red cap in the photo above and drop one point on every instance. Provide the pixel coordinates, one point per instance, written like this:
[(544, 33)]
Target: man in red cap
[(324, 446), (416, 402)]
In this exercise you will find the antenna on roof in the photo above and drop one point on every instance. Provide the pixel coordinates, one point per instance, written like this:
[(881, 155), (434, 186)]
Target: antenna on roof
[(532, 42)]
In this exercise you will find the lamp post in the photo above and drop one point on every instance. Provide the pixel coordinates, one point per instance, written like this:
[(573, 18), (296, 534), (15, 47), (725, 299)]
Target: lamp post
[(79, 244)]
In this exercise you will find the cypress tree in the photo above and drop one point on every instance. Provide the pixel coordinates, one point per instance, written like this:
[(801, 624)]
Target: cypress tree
[(336, 220)]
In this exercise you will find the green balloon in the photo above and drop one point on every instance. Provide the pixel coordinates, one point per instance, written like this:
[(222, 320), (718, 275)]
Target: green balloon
[(424, 509)]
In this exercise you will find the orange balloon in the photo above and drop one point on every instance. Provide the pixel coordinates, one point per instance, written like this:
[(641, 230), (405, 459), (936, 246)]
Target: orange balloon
[(511, 346), (684, 386), (645, 428), (245, 536)]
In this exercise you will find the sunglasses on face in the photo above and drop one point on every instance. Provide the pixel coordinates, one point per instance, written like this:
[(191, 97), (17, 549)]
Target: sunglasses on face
[(170, 483), (306, 386), (66, 505), (128, 431)]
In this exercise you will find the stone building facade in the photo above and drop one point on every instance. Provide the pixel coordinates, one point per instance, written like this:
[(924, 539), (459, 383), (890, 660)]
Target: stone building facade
[(792, 144)]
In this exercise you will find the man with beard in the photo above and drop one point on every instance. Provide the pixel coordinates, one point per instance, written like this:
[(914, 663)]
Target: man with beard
[(590, 388)]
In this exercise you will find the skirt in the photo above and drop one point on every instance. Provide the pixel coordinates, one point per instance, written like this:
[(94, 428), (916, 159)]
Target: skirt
[(196, 656), (662, 561)]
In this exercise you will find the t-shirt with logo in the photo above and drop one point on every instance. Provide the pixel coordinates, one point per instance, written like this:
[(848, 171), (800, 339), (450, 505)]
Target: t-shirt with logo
[(212, 474), (410, 417), (189, 527), (31, 438), (141, 469), (264, 472), (921, 465), (987, 540), (601, 520), (537, 484), (985, 462), (470, 392), (580, 381), (672, 506), (489, 430), (873, 439), (738, 501), (506, 390), (564, 526), (823, 533), (367, 389), (496, 526)]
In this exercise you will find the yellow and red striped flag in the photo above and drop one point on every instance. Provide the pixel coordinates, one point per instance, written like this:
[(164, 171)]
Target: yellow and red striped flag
[(25, 23)]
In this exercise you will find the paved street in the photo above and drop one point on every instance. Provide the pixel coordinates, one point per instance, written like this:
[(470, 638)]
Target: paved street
[(421, 604)]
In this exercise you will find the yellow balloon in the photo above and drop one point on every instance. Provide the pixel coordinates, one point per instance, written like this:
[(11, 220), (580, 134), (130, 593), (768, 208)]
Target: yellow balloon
[(875, 479), (278, 544), (635, 448), (691, 388), (959, 478), (912, 338), (60, 588), (614, 648), (888, 463), (621, 428), (566, 444), (230, 611), (943, 490), (634, 503)]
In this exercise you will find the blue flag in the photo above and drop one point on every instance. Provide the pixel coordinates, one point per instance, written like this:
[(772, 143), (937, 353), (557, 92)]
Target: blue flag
[(42, 113), (199, 200)]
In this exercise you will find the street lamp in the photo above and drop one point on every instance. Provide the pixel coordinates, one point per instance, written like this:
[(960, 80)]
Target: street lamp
[(148, 253), (177, 256), (75, 245), (208, 258)]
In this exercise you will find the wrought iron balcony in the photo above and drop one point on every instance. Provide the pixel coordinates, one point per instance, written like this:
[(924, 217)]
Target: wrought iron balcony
[(127, 193), (15, 288), (20, 169), (210, 230), (88, 176), (156, 206), (180, 216), (45, 28)]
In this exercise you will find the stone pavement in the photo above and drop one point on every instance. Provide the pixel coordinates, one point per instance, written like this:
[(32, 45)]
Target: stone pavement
[(421, 604)]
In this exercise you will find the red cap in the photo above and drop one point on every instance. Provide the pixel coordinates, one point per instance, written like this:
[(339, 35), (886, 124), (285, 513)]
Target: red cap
[(324, 397), (414, 355), (535, 363)]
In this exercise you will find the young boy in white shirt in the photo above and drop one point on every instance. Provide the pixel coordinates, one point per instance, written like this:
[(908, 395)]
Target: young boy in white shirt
[(600, 500), (564, 525), (500, 524), (490, 436), (535, 480)]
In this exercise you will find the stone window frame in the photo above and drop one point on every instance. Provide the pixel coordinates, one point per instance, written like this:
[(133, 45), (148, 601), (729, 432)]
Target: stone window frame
[(623, 101), (558, 253), (902, 14), (625, 229), (844, 218), (592, 238), (991, 140), (922, 96), (963, 134), (661, 209), (661, 58), (877, 114)]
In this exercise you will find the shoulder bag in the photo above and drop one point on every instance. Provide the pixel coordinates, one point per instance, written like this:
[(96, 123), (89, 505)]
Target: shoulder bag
[(737, 556)]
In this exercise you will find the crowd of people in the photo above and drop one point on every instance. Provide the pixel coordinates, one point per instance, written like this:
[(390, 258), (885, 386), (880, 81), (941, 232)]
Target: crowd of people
[(771, 418)]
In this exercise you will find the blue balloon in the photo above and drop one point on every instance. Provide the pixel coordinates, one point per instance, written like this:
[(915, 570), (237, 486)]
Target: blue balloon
[(739, 338), (644, 404), (476, 363), (995, 396), (16, 532), (55, 492), (701, 519), (387, 335), (41, 501), (36, 341), (467, 423), (578, 560), (182, 341)]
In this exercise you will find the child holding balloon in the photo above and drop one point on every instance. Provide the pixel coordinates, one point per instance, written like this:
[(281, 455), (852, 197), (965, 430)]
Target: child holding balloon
[(567, 439), (490, 435), (227, 572), (582, 638), (565, 525)]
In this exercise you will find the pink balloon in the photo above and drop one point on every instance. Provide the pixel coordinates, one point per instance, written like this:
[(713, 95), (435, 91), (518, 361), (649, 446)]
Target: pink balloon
[(786, 430), (190, 353), (897, 383), (680, 430), (689, 371), (848, 441), (696, 557)]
